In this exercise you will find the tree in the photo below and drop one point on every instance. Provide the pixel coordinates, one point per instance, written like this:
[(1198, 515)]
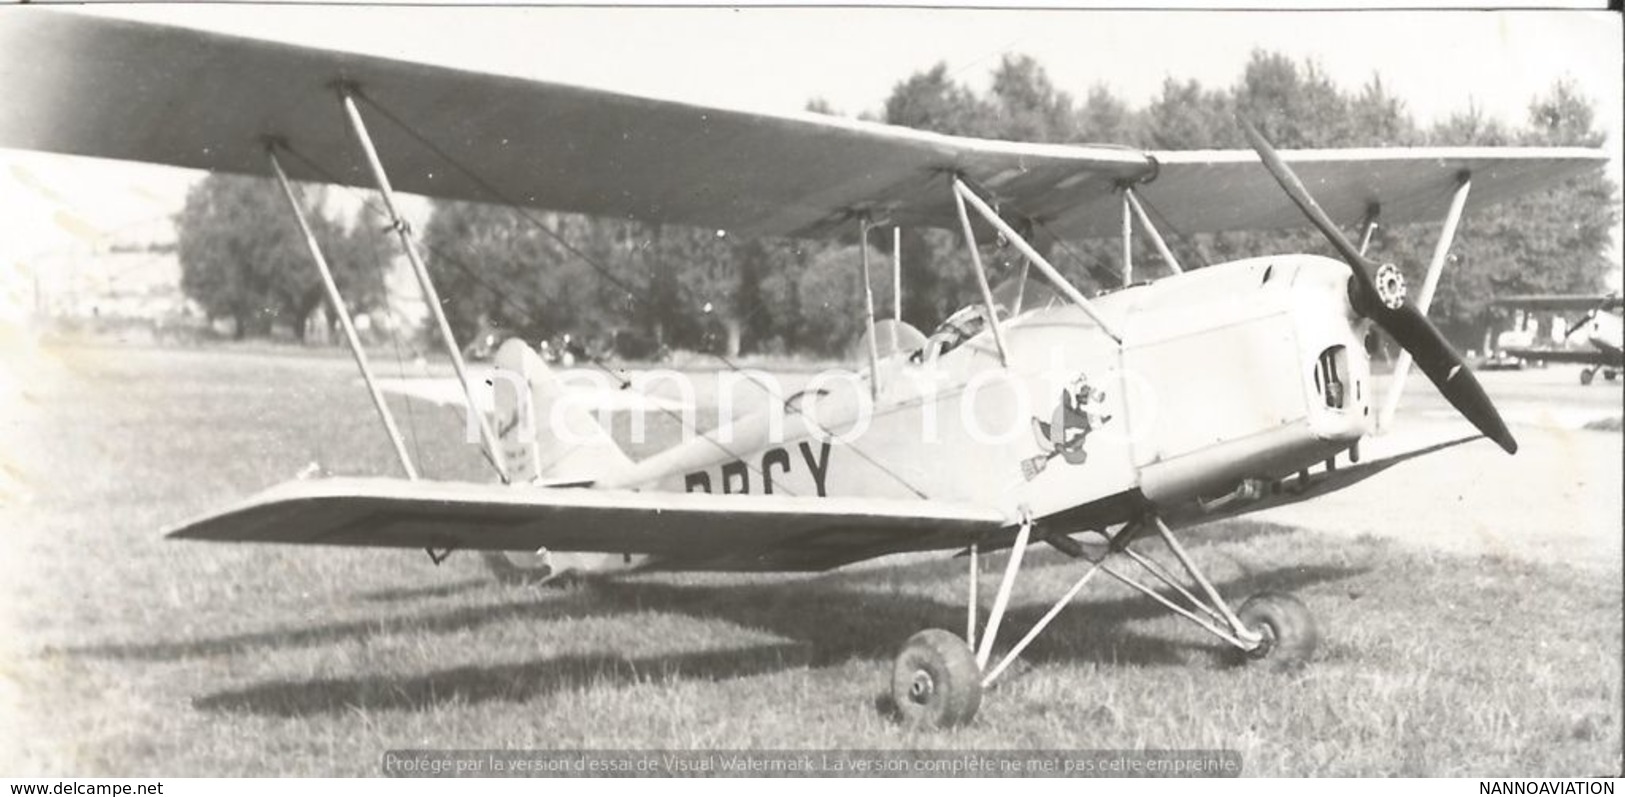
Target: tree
[(708, 314), (931, 100), (768, 301), (831, 292), (243, 257), (777, 316), (489, 268), (1293, 108), (1026, 105), (544, 275), (1378, 119), (1563, 118), (1470, 128), (1185, 116), (1106, 119)]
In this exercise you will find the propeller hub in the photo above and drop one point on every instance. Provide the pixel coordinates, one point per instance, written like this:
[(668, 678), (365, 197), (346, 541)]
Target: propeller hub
[(1390, 284)]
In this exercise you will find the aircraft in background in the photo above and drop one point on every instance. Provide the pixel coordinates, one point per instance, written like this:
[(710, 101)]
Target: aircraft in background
[(1036, 415), (1599, 321)]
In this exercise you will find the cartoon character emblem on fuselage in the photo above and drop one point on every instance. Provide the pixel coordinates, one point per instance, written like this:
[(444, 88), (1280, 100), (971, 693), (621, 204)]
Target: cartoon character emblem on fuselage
[(1068, 428)]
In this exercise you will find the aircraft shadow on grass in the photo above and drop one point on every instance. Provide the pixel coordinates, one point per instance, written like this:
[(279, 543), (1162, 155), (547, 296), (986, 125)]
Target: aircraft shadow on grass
[(611, 598), (823, 624)]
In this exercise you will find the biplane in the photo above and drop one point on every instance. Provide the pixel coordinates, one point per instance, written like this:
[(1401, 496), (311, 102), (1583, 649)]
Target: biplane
[(1604, 349), (1096, 423)]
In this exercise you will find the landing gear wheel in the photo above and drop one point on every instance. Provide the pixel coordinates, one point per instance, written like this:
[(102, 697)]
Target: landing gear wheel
[(1610, 375), (935, 682), (1587, 375), (1289, 631)]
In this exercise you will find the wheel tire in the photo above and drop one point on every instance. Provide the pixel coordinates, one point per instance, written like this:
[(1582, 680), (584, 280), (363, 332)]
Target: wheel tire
[(935, 682), (1610, 375), (1586, 376), (1290, 634)]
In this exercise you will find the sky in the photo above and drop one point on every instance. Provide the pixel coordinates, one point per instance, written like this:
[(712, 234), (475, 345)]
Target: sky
[(776, 59)]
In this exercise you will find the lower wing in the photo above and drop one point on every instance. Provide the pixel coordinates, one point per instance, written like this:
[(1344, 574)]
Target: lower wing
[(1246, 501), (690, 531)]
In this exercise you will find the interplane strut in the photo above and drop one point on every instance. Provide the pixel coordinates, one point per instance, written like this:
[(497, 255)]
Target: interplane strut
[(966, 196), (358, 127), (1441, 252), (342, 310)]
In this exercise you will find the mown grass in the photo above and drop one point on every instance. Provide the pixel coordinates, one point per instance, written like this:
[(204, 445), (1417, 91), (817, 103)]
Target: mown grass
[(128, 655)]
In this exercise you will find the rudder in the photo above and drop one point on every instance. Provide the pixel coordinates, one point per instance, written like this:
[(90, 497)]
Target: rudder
[(555, 439)]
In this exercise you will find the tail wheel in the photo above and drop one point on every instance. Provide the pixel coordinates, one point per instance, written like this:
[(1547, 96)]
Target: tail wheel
[(1289, 631), (1587, 375), (935, 681)]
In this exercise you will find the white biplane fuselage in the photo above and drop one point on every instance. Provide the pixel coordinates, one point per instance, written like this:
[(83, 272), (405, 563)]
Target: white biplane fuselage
[(1165, 414)]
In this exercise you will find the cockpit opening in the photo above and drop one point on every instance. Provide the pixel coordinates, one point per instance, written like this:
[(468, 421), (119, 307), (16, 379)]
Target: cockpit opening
[(1011, 299)]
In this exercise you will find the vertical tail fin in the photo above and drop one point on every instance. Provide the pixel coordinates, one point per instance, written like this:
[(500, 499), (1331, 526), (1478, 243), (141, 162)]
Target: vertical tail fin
[(545, 433), (544, 430)]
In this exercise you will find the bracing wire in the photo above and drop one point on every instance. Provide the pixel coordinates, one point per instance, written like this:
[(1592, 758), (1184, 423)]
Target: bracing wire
[(604, 272), (1106, 275), (383, 281), (400, 365), (1186, 241), (513, 303)]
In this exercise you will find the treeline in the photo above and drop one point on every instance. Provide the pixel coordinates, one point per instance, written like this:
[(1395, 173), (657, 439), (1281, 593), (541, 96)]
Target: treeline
[(690, 289), (633, 287)]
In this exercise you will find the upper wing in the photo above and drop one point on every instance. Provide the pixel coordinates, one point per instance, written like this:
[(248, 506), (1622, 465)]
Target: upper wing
[(1215, 190), (119, 89), (182, 97), (694, 531)]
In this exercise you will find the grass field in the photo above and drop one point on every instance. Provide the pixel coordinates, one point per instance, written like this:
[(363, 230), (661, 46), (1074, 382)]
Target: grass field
[(126, 655)]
